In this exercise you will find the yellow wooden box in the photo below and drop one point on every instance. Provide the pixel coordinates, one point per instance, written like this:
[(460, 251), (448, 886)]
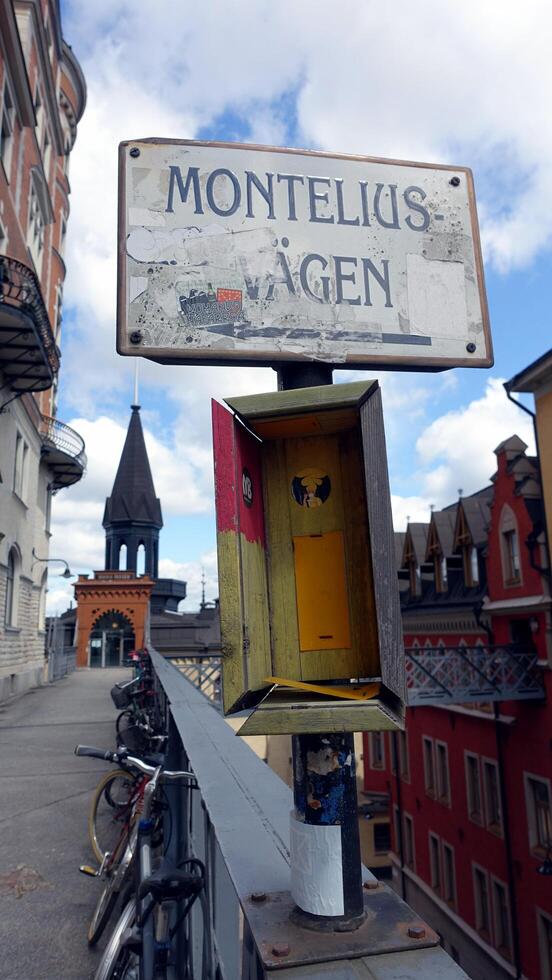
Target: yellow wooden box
[(310, 615)]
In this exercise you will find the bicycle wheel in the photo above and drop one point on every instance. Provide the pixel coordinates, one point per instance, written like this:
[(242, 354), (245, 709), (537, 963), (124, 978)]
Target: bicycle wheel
[(109, 811), (108, 898), (130, 733), (117, 961)]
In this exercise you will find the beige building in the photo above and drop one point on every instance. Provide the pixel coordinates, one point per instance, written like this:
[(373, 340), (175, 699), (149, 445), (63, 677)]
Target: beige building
[(42, 97)]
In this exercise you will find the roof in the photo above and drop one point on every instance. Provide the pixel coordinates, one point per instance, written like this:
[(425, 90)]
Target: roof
[(133, 498), (477, 511), (534, 376)]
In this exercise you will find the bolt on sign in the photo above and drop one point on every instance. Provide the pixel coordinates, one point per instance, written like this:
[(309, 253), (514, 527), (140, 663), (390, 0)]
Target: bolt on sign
[(309, 604), (246, 254)]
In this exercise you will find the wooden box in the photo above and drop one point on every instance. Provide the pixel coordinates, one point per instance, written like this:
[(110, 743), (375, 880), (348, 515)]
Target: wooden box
[(310, 616)]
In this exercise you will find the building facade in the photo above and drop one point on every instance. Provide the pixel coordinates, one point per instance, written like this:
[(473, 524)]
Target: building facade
[(42, 98), (470, 784)]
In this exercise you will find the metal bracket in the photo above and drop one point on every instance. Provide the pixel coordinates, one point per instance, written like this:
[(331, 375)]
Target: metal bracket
[(390, 926)]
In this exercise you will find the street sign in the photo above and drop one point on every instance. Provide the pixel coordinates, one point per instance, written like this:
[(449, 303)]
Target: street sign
[(246, 254)]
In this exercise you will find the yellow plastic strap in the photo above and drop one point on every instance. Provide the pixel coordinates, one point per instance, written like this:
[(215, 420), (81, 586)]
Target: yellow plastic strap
[(361, 693)]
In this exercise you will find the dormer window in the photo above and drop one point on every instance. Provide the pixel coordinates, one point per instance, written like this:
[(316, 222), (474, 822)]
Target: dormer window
[(415, 578), (441, 573), (471, 566)]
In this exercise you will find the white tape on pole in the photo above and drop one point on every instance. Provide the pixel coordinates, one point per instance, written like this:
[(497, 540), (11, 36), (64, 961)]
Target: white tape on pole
[(316, 871)]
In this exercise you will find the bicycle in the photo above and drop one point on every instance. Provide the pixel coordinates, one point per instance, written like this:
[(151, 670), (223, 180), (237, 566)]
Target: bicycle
[(117, 862), (141, 946)]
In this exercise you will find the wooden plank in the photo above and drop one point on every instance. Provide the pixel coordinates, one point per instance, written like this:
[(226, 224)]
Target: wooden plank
[(277, 403), (290, 717), (359, 564), (380, 524)]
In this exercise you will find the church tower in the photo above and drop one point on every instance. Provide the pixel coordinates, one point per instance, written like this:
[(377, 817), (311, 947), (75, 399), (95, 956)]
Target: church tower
[(132, 516)]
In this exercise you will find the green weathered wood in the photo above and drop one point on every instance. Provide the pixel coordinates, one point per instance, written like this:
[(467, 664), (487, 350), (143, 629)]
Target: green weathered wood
[(275, 403), (380, 524), (293, 718)]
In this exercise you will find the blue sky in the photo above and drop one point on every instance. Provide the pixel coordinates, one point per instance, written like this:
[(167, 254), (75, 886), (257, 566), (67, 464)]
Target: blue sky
[(440, 83)]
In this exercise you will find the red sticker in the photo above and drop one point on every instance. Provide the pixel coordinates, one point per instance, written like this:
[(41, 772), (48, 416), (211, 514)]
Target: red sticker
[(229, 295)]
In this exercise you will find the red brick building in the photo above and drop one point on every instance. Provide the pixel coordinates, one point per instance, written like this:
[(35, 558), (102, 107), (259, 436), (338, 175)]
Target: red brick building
[(469, 782)]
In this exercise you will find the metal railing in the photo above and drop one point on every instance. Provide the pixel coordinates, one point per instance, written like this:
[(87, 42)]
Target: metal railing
[(456, 675), (204, 672), (237, 823), (60, 436), (20, 290)]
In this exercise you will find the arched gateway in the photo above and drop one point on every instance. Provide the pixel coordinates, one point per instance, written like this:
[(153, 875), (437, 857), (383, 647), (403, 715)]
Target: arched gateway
[(111, 640)]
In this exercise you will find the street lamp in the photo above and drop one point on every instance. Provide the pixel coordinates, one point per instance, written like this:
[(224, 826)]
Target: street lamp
[(66, 574)]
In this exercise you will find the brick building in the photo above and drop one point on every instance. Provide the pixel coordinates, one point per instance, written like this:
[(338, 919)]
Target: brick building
[(469, 782), (42, 98)]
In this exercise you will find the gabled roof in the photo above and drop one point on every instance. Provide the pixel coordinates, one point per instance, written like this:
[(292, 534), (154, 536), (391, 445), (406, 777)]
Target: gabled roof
[(415, 541), (475, 513), (133, 498), (441, 531)]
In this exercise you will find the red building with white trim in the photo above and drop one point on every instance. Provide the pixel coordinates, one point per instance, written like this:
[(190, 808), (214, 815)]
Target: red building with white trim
[(470, 781)]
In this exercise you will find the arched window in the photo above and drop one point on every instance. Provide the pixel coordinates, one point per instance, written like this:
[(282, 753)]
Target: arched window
[(12, 587), (509, 547), (123, 558), (141, 559)]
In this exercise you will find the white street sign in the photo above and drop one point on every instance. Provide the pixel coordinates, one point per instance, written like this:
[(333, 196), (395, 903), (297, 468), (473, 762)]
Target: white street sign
[(246, 254)]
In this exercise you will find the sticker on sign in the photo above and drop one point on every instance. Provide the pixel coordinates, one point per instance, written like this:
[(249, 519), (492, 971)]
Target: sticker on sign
[(251, 254)]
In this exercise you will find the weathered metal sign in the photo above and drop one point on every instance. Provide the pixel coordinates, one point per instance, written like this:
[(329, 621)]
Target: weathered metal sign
[(231, 253)]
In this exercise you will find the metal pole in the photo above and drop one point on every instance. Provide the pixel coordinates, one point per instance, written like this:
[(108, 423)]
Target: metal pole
[(325, 822)]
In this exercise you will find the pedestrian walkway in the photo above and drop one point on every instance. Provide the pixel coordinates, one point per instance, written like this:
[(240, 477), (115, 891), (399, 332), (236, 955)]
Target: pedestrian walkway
[(45, 904)]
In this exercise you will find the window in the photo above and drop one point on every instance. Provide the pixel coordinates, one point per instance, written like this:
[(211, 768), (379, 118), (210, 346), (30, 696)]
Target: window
[(539, 813), (35, 229), (471, 566), (440, 573), (473, 788), (408, 841), (435, 862), (393, 751), (382, 838), (512, 555), (509, 545), (415, 577), (6, 129), (429, 765), (501, 919), (12, 588), (443, 781), (482, 904), (449, 876), (404, 766), (545, 944), (377, 750), (493, 809), (20, 477), (397, 828)]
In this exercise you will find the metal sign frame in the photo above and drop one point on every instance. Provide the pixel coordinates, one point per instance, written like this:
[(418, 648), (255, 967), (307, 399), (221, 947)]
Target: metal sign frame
[(130, 341)]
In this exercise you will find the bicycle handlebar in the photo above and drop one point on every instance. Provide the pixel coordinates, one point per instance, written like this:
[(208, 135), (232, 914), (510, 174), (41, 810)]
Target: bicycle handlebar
[(166, 775)]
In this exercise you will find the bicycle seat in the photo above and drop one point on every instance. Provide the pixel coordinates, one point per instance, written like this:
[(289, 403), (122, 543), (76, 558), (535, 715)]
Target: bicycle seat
[(170, 883)]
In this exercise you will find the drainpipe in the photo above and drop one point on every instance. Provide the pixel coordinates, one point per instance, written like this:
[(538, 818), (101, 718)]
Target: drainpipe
[(507, 841), (399, 808)]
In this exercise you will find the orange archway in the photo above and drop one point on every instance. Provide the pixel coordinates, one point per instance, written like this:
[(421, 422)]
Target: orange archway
[(120, 594)]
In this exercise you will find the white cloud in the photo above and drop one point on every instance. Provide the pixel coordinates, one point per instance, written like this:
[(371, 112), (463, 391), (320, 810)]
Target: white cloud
[(192, 573), (462, 442)]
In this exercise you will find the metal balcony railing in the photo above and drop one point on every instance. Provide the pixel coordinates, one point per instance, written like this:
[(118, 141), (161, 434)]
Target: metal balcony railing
[(456, 675), (204, 672), (65, 451), (237, 823), (29, 356)]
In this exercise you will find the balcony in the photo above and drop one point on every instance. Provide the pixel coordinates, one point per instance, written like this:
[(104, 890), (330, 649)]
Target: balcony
[(459, 675), (63, 452), (29, 358), (237, 823)]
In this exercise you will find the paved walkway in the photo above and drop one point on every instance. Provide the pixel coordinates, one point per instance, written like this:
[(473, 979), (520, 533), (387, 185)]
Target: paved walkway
[(45, 904)]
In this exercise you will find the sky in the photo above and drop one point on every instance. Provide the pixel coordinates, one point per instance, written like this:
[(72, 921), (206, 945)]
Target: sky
[(464, 84)]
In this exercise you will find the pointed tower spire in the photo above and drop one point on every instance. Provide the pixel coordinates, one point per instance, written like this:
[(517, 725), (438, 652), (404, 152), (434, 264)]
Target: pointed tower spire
[(132, 515)]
